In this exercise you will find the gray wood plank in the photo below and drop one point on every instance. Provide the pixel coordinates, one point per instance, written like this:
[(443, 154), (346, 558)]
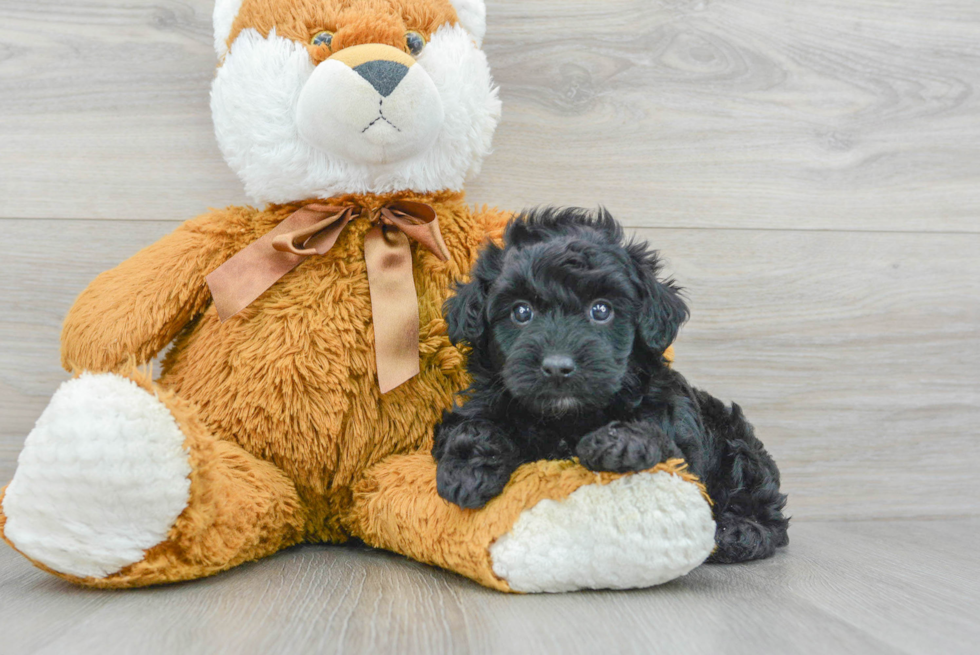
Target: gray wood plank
[(898, 575), (820, 114), (839, 587), (856, 355)]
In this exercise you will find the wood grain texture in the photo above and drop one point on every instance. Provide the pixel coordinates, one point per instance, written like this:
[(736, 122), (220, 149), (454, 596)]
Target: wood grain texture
[(826, 114), (856, 355), (875, 587)]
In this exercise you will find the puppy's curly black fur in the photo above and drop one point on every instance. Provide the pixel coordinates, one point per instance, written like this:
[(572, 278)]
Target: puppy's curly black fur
[(568, 324)]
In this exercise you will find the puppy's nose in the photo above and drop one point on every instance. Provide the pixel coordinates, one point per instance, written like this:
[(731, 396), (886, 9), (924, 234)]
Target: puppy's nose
[(383, 75), (558, 367)]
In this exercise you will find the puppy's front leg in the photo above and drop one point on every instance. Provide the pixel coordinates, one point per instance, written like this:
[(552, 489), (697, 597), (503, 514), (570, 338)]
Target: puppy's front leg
[(626, 447), (475, 462)]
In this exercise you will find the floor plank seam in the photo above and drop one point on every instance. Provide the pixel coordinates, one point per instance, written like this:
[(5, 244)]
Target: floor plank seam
[(627, 225)]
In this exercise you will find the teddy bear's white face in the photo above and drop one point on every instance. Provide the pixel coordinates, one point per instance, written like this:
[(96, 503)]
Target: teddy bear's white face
[(370, 118), (372, 105)]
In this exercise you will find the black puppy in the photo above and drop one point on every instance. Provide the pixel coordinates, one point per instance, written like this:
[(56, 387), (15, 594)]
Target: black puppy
[(568, 325)]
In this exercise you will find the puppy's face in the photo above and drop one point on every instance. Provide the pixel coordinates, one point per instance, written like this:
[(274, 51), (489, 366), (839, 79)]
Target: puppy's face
[(562, 320), (561, 315)]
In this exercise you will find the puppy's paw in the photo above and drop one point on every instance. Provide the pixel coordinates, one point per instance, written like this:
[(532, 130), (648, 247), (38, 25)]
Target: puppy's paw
[(622, 448), (471, 484), (742, 539), (475, 461)]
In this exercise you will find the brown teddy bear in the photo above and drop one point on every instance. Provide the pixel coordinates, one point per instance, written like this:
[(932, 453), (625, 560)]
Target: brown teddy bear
[(310, 360)]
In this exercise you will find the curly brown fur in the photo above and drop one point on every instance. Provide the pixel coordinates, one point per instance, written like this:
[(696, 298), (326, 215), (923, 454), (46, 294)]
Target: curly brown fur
[(568, 324)]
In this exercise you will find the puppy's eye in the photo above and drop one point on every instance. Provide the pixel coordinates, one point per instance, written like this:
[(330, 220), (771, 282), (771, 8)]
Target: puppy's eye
[(415, 43), (322, 38), (522, 313), (601, 312)]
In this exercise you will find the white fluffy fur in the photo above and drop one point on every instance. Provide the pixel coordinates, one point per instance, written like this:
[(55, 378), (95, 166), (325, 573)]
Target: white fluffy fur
[(473, 17), (254, 103), (638, 531), (102, 478), (225, 12)]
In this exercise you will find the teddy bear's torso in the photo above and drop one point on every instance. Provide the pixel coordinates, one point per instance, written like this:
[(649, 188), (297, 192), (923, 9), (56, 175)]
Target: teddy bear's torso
[(292, 377)]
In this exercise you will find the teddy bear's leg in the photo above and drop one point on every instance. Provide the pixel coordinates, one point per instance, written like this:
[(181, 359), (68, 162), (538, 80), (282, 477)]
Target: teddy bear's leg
[(556, 527), (120, 484)]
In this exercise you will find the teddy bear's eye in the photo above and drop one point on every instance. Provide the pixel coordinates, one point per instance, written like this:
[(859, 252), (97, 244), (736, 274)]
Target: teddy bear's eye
[(522, 313), (322, 38), (415, 42), (601, 312)]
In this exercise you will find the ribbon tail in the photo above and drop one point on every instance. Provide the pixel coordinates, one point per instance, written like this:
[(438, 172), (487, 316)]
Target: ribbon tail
[(394, 306)]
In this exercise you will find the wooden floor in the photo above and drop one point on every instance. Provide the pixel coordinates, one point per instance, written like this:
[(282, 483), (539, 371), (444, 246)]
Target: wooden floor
[(859, 587), (811, 170)]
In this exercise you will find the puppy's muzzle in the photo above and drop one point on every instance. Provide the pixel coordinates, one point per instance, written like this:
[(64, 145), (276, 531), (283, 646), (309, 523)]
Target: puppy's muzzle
[(558, 368)]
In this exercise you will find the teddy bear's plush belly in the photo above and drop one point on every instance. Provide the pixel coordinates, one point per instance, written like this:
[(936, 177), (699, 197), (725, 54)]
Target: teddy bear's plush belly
[(292, 380)]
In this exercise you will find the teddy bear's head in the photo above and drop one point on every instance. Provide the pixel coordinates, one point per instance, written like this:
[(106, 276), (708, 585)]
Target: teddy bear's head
[(316, 98)]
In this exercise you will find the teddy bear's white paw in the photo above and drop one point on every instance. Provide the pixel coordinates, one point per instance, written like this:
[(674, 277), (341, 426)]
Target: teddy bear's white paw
[(102, 477), (637, 531)]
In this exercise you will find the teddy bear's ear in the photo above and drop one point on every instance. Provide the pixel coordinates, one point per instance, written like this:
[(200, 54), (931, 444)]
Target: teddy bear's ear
[(225, 12), (473, 17)]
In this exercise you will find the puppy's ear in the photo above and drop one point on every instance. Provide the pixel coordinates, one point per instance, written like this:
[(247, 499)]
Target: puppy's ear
[(466, 313), (662, 310), (466, 310)]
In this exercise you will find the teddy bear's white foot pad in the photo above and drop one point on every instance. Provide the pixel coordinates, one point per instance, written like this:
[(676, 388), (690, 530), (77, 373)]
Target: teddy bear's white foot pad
[(637, 531), (102, 477)]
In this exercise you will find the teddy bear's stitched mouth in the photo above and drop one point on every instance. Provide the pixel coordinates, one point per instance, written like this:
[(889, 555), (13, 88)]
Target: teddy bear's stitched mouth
[(381, 117)]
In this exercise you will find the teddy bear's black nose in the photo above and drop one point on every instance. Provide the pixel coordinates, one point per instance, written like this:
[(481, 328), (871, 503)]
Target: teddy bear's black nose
[(384, 75), (558, 367)]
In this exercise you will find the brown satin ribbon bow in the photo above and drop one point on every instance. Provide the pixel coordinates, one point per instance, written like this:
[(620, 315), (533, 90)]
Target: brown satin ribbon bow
[(313, 230)]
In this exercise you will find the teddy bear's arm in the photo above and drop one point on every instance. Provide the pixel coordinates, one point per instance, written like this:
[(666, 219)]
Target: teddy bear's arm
[(131, 312)]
